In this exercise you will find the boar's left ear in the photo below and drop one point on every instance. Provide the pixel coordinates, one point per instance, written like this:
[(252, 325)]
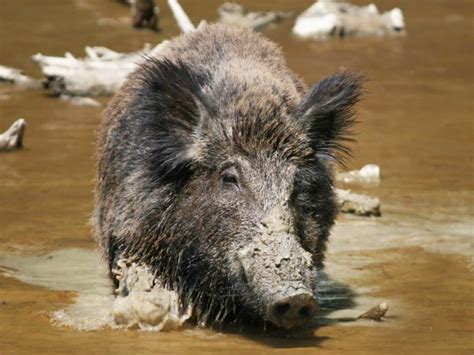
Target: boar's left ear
[(327, 114)]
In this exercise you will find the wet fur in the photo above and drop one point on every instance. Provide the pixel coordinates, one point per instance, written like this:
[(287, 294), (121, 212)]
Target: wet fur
[(212, 97)]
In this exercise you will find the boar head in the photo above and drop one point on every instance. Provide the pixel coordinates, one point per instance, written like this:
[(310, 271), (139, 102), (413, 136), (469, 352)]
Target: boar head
[(249, 189)]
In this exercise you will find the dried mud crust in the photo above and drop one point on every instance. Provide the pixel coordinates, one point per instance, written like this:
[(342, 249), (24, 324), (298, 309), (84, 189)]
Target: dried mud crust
[(142, 302)]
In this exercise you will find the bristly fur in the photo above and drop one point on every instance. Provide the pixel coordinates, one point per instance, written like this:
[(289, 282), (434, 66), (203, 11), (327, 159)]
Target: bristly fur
[(328, 112), (217, 97), (174, 89)]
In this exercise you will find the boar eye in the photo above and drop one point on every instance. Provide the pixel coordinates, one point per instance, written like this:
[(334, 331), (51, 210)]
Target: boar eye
[(230, 178)]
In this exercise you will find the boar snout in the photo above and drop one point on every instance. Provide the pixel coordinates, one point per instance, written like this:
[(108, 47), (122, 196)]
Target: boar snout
[(280, 272), (293, 311)]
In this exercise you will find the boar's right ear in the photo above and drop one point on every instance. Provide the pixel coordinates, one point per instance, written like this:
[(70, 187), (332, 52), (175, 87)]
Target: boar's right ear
[(327, 114), (170, 104)]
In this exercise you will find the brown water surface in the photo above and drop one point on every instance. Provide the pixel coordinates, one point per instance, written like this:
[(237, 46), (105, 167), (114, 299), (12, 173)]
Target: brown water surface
[(416, 123)]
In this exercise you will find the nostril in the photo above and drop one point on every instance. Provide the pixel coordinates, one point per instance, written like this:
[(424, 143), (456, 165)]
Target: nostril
[(293, 311), (282, 308), (305, 312)]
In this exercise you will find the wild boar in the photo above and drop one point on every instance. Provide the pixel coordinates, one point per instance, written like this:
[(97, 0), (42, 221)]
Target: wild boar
[(214, 168)]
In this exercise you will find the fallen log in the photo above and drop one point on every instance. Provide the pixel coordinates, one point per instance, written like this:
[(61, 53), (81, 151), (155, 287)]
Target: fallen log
[(12, 138), (103, 70), (328, 18)]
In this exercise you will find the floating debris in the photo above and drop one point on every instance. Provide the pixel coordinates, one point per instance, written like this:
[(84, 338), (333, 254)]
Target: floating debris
[(12, 138), (376, 313), (360, 205), (234, 14), (328, 18), (80, 101), (17, 77), (368, 174)]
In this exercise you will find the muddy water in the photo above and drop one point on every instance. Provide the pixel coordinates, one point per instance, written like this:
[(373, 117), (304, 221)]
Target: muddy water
[(416, 124)]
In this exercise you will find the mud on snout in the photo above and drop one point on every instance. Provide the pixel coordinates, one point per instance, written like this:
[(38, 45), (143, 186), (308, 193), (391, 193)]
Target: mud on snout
[(280, 273)]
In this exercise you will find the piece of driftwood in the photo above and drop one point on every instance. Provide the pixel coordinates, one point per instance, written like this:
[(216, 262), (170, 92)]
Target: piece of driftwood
[(102, 71), (357, 204), (17, 77), (375, 313), (234, 14), (328, 18), (12, 138), (368, 174), (80, 101)]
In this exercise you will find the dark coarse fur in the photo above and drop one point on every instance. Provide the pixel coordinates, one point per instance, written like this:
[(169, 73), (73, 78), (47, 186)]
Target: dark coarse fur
[(216, 98)]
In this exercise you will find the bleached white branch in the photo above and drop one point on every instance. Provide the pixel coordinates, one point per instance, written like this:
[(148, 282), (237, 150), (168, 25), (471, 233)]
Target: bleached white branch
[(327, 18), (102, 71), (16, 76), (181, 17)]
